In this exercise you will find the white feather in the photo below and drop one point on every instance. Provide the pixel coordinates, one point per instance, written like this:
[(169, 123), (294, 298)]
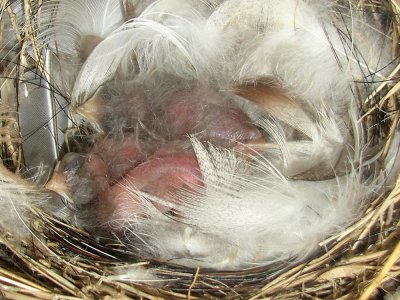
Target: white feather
[(175, 46), (250, 210), (249, 214), (62, 24), (17, 198)]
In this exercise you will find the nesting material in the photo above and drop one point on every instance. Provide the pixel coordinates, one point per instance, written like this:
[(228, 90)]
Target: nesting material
[(199, 148)]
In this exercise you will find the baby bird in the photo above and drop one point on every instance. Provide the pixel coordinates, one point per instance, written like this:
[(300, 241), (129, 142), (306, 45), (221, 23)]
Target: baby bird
[(223, 134)]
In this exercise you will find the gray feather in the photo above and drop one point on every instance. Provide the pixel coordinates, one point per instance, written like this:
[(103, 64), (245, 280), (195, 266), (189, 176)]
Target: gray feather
[(43, 119)]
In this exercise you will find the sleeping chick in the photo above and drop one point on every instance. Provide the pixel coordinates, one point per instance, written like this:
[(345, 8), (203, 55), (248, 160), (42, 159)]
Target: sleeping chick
[(223, 134)]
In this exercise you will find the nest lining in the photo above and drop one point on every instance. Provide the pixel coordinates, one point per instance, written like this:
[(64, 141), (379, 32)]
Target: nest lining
[(61, 261)]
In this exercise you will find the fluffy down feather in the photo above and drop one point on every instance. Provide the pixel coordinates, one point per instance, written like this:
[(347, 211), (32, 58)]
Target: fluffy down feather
[(293, 71)]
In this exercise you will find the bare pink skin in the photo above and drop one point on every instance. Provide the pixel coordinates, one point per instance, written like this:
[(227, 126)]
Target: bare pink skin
[(158, 176), (97, 170), (119, 166), (120, 154), (210, 116)]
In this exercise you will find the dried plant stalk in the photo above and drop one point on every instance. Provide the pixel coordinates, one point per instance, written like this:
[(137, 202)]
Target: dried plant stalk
[(63, 262)]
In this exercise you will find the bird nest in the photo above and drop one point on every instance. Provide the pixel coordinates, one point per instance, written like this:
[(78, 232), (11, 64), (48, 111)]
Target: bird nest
[(58, 261)]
